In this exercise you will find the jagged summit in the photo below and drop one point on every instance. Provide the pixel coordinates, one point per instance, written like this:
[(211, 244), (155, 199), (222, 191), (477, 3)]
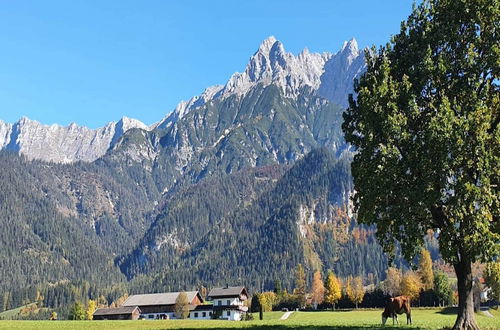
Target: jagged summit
[(267, 44), (352, 45), (62, 144), (329, 74)]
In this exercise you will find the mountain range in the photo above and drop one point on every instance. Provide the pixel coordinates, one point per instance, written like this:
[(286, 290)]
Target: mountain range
[(328, 75), (239, 184)]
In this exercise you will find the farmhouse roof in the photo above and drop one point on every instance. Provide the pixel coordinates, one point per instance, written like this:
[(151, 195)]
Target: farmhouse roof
[(202, 307), (116, 311), (228, 291), (167, 298)]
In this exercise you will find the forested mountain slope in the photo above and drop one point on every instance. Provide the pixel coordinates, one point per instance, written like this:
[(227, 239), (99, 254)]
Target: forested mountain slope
[(300, 216)]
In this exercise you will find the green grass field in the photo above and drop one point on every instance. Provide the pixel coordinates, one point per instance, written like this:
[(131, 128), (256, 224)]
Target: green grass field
[(348, 320)]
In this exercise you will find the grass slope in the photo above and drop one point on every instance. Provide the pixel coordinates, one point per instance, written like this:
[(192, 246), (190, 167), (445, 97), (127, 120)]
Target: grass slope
[(349, 320)]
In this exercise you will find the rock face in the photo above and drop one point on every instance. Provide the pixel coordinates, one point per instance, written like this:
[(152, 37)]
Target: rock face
[(330, 75), (61, 144), (340, 72)]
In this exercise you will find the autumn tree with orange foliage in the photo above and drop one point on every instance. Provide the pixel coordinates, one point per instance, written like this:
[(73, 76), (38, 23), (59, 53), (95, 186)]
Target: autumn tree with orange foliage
[(318, 289)]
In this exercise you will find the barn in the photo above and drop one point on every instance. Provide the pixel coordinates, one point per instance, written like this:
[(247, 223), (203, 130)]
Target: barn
[(118, 313), (160, 305)]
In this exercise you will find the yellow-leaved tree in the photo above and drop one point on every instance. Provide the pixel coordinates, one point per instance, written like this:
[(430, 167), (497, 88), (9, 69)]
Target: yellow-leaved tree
[(333, 289), (392, 283), (425, 269), (355, 290), (91, 308), (411, 284)]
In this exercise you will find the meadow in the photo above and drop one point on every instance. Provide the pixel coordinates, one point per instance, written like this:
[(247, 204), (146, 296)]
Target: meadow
[(348, 320)]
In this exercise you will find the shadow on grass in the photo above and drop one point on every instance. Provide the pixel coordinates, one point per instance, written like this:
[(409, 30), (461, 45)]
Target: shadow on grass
[(320, 327), (449, 311)]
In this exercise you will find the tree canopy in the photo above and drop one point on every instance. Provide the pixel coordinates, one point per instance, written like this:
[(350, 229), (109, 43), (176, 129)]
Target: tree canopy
[(425, 127), (318, 289), (425, 269), (333, 289), (181, 307)]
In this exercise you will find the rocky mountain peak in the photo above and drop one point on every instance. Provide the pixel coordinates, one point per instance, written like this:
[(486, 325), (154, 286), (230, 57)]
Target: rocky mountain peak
[(267, 44), (271, 64), (350, 51), (127, 123), (351, 46), (329, 74), (62, 144)]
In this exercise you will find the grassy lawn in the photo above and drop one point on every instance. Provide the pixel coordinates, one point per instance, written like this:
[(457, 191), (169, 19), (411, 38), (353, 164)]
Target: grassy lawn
[(348, 320)]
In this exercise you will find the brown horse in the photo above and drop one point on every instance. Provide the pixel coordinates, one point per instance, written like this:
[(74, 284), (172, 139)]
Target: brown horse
[(395, 306)]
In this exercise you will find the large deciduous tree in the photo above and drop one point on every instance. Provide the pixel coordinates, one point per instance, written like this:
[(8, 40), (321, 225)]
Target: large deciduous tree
[(91, 308), (392, 283), (355, 290), (333, 289), (77, 312), (442, 288), (425, 127), (318, 289), (411, 284), (181, 307)]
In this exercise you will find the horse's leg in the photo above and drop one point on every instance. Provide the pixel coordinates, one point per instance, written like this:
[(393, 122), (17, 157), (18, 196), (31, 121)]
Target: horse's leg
[(408, 318), (397, 321)]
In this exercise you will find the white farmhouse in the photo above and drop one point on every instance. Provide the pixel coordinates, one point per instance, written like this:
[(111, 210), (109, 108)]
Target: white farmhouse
[(228, 302)]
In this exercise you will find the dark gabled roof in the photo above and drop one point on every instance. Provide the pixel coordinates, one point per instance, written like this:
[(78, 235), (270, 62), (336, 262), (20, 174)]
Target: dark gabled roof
[(207, 307), (228, 291), (167, 298), (116, 311)]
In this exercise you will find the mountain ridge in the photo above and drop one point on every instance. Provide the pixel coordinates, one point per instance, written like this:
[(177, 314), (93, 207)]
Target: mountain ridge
[(63, 144), (329, 75)]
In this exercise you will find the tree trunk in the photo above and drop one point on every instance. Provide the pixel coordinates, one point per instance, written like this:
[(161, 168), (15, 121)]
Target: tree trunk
[(465, 318)]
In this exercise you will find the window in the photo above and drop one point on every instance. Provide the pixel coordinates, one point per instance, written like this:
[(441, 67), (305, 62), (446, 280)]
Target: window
[(228, 302), (151, 316), (228, 313), (196, 314), (219, 302), (204, 314), (210, 313)]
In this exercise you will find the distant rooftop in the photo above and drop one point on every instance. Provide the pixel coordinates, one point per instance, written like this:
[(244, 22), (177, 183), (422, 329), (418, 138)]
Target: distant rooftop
[(228, 291), (167, 298)]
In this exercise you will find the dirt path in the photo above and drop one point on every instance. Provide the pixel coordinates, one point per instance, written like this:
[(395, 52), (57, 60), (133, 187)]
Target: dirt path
[(286, 315), (486, 312)]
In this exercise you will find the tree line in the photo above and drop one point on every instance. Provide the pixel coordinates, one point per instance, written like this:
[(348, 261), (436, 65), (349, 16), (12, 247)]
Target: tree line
[(426, 286)]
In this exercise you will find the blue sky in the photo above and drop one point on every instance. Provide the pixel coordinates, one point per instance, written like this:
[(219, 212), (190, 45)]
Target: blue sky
[(92, 62)]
